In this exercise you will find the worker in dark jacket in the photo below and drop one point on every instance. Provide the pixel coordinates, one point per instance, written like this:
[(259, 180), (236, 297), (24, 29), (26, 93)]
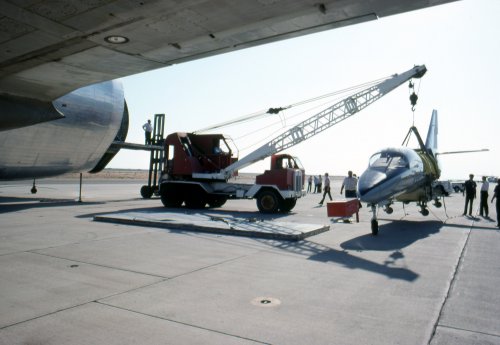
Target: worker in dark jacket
[(470, 193)]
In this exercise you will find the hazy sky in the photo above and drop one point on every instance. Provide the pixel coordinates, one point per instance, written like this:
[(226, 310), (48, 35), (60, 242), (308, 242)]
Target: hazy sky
[(458, 42)]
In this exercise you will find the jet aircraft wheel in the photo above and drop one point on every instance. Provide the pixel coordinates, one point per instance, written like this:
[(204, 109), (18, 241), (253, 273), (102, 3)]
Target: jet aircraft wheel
[(288, 205), (438, 204), (33, 190), (425, 212), (389, 210), (374, 227), (146, 192), (268, 202)]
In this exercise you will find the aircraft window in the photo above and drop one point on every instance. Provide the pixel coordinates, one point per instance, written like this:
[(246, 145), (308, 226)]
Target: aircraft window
[(374, 159), (388, 160)]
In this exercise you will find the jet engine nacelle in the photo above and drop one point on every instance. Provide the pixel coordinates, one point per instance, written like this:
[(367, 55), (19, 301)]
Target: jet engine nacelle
[(93, 116)]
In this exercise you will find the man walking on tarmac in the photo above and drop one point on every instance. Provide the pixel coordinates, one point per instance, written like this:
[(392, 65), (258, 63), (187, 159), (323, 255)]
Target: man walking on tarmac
[(148, 129), (326, 189)]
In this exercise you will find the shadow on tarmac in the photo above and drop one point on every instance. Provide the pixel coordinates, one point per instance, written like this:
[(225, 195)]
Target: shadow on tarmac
[(321, 253), (394, 236), (14, 204), (475, 226), (353, 262)]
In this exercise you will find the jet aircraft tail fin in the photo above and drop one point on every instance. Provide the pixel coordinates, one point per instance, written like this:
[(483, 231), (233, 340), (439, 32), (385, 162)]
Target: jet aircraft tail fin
[(431, 140)]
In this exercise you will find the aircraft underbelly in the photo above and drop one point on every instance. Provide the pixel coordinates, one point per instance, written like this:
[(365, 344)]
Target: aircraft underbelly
[(413, 192), (75, 143), (406, 183)]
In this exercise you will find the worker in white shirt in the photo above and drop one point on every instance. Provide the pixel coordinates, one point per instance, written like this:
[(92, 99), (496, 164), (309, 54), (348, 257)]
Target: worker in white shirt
[(148, 129), (349, 184), (326, 189)]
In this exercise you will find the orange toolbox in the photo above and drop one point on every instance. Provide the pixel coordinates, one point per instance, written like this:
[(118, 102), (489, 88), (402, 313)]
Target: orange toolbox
[(343, 208)]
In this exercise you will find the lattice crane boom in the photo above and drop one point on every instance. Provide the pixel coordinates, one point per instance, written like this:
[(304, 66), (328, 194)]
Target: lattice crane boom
[(318, 123)]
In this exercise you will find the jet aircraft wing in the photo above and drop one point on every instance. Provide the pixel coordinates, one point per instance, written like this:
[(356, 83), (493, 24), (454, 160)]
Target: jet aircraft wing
[(51, 47)]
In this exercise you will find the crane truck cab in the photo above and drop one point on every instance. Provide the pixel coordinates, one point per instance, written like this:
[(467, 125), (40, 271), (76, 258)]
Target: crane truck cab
[(192, 175), (188, 153), (288, 175)]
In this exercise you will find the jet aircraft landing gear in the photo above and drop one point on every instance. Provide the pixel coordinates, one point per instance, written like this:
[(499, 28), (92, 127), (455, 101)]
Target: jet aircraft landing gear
[(374, 221), (437, 203), (33, 189), (388, 209), (423, 209)]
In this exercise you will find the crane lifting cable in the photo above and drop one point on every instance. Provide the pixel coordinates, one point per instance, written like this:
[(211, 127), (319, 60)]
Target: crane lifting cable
[(302, 113), (278, 110), (241, 119)]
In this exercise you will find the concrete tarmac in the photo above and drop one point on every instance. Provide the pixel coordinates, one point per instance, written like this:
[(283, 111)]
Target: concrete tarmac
[(67, 279)]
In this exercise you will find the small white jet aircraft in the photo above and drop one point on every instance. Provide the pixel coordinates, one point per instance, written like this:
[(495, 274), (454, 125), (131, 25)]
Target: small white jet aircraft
[(405, 175)]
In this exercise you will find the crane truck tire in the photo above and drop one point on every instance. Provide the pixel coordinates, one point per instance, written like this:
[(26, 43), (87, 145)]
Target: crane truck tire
[(288, 205), (170, 196), (194, 196), (268, 201), (216, 201), (146, 192)]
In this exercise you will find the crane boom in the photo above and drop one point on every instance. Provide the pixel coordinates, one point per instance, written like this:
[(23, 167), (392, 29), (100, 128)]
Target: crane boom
[(321, 121)]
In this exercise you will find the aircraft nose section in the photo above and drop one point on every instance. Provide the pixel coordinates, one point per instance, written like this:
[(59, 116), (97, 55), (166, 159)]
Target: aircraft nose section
[(368, 181)]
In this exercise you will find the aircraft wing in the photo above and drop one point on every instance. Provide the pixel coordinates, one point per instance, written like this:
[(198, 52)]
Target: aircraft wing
[(51, 47)]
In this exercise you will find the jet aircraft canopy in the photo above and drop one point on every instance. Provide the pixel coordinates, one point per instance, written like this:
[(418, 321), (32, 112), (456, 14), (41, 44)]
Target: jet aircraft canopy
[(392, 161), (387, 161), (387, 166)]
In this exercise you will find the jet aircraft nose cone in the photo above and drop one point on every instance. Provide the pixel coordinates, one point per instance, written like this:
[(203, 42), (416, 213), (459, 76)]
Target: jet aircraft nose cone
[(369, 180)]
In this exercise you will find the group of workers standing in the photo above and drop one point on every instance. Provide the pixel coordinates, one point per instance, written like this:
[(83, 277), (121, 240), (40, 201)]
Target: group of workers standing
[(318, 183), (470, 193), (349, 184)]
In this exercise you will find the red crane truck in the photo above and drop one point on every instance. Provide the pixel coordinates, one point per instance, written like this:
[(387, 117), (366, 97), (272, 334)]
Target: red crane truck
[(198, 166)]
